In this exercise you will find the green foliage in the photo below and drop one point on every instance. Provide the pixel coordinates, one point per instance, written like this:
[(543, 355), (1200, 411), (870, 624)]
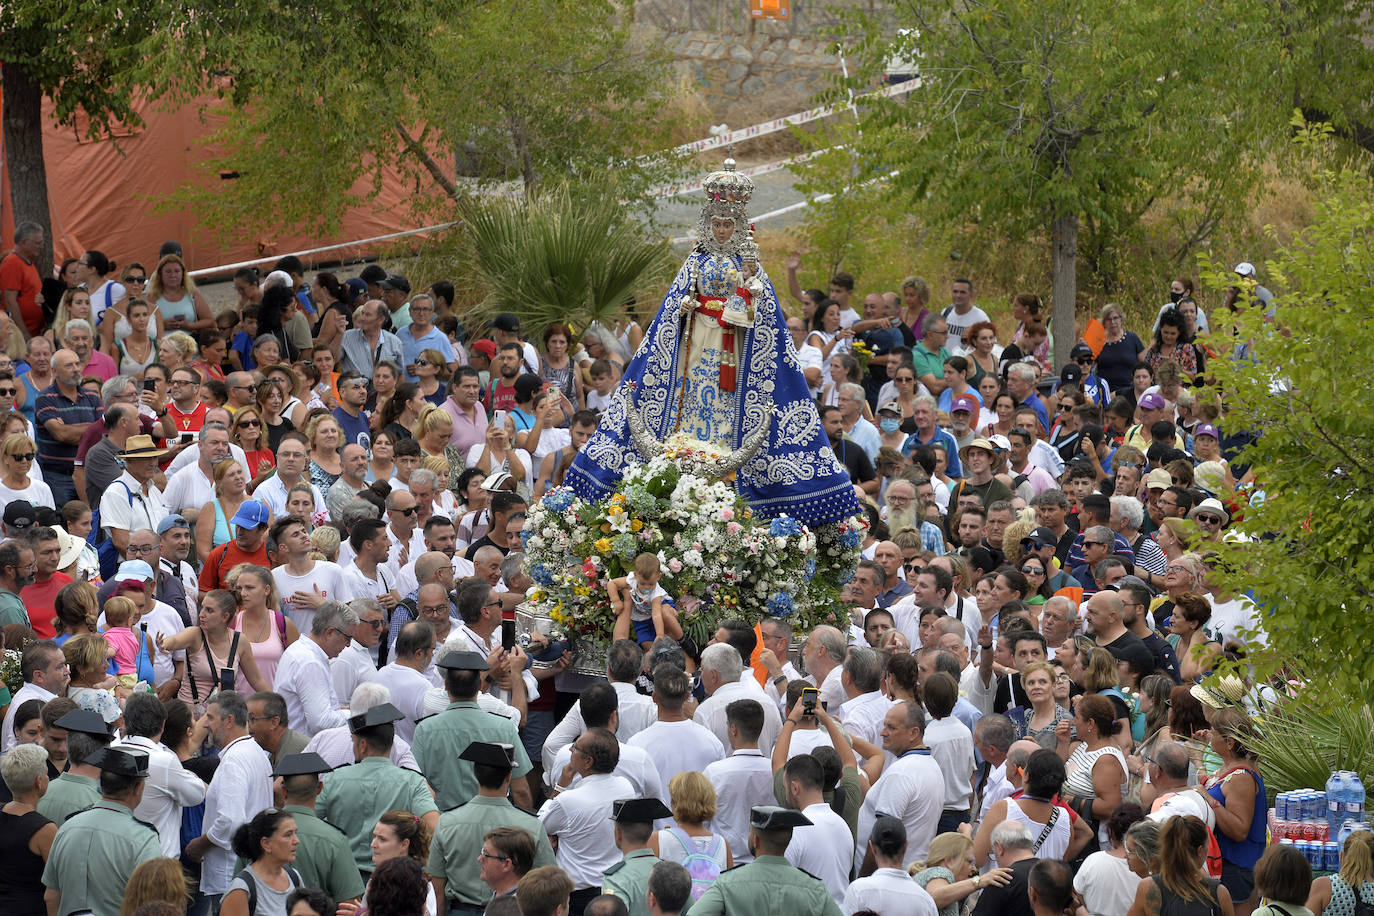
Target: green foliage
[(1028, 110), (1310, 520), (1302, 741), (559, 257), (324, 99)]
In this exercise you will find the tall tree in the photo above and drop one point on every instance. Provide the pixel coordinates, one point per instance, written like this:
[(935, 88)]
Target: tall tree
[(1042, 119), (326, 97), (1308, 520), (89, 59)]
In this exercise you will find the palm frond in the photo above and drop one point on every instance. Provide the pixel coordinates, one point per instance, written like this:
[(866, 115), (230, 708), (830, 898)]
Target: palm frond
[(1300, 742), (559, 257)]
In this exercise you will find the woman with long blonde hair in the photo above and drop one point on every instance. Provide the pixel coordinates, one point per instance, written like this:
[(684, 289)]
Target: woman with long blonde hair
[(177, 302), (1355, 879), (949, 874), (264, 627)]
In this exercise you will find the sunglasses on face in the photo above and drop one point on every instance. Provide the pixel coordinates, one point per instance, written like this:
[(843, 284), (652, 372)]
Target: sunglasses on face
[(250, 423), (23, 456), (1209, 519)]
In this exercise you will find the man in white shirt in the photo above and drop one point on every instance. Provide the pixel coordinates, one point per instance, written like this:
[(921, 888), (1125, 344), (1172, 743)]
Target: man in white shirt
[(241, 788), (335, 745), (862, 713), (823, 655), (962, 314), (46, 676), (405, 677), (863, 433), (440, 536), (581, 816), (634, 711), (304, 584), (132, 501), (912, 788), (480, 608), (191, 487), (407, 541), (600, 710), (354, 665), (170, 786), (364, 577), (889, 889), (1168, 793), (721, 667), (293, 456), (675, 742), (742, 780), (993, 737), (303, 676), (825, 849), (951, 744)]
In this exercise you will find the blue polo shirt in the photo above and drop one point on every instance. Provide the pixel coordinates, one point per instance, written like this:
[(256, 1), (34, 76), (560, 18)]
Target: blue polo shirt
[(52, 404), (951, 449), (433, 339)]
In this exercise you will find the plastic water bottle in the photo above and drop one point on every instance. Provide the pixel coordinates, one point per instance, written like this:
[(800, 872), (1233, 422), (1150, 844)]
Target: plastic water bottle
[(1354, 797), (1335, 798)]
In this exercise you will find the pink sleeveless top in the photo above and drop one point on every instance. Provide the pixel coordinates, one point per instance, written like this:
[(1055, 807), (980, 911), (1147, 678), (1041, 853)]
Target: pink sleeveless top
[(268, 652)]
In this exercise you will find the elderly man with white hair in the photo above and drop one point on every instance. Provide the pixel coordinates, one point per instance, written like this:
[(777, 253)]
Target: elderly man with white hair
[(80, 339), (303, 676), (1058, 621), (1128, 515), (335, 745), (721, 667), (864, 434), (823, 654)]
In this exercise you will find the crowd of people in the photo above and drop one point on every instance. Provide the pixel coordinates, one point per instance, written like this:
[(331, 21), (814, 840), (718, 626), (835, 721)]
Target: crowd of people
[(256, 564)]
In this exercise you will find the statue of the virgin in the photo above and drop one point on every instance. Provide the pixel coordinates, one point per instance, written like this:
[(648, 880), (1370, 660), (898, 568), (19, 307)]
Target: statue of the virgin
[(717, 364)]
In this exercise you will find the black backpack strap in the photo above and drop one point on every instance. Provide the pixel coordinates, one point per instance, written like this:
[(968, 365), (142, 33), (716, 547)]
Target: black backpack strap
[(248, 879)]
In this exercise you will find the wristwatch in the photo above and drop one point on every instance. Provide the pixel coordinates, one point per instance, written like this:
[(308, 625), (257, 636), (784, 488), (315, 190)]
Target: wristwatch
[(977, 879)]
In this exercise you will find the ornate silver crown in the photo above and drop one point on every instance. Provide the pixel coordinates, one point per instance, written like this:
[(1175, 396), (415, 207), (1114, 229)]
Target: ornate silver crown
[(727, 197)]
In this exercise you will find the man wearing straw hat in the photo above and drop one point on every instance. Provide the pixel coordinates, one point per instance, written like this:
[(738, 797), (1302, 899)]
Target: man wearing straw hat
[(131, 501)]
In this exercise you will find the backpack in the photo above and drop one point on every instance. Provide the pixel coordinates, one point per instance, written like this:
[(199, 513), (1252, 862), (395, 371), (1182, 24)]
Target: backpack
[(252, 883), (700, 864), (1137, 717), (105, 550)]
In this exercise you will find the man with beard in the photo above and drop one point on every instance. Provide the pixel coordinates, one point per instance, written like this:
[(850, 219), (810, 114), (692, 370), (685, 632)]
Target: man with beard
[(854, 459), (501, 392)]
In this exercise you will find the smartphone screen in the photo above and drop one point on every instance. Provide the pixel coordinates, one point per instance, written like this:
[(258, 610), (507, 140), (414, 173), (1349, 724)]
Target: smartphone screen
[(149, 384)]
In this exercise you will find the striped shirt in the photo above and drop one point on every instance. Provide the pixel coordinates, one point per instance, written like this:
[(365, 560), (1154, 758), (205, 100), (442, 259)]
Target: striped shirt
[(60, 457)]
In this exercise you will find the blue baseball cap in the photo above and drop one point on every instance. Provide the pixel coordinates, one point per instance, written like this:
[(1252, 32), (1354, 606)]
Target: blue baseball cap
[(252, 514), (137, 570)]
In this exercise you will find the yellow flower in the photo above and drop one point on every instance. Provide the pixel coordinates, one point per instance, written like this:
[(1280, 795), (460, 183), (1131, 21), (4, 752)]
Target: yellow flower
[(602, 545), (614, 511), (537, 595), (636, 525), (618, 499), (582, 590)]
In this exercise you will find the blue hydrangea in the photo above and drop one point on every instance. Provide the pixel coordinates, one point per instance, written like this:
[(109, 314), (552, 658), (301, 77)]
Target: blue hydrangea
[(780, 605), (809, 568), (784, 527), (558, 500), (541, 575), (850, 539), (626, 547), (844, 575)]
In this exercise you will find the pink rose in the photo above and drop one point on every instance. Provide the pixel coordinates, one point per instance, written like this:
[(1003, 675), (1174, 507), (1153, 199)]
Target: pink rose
[(675, 565), (726, 514), (733, 528)]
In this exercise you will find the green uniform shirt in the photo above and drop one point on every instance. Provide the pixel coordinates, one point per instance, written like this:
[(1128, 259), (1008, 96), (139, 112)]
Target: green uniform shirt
[(458, 839), (93, 855), (12, 609), (769, 884), (66, 795), (324, 858), (355, 796), (440, 739), (629, 880)]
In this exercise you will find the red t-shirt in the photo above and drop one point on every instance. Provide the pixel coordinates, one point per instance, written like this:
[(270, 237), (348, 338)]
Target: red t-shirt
[(40, 599), (222, 561), (502, 396), (22, 277), (188, 422)]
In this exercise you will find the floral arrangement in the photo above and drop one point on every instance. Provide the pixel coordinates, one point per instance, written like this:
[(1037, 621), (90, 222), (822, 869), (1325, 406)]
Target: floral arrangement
[(10, 670), (862, 353), (718, 560)]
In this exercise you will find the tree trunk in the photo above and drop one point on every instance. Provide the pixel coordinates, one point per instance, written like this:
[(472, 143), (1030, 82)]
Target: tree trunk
[(1065, 286), (23, 117)]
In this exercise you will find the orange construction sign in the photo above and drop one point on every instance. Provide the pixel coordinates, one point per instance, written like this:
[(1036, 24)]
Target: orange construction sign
[(770, 9)]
